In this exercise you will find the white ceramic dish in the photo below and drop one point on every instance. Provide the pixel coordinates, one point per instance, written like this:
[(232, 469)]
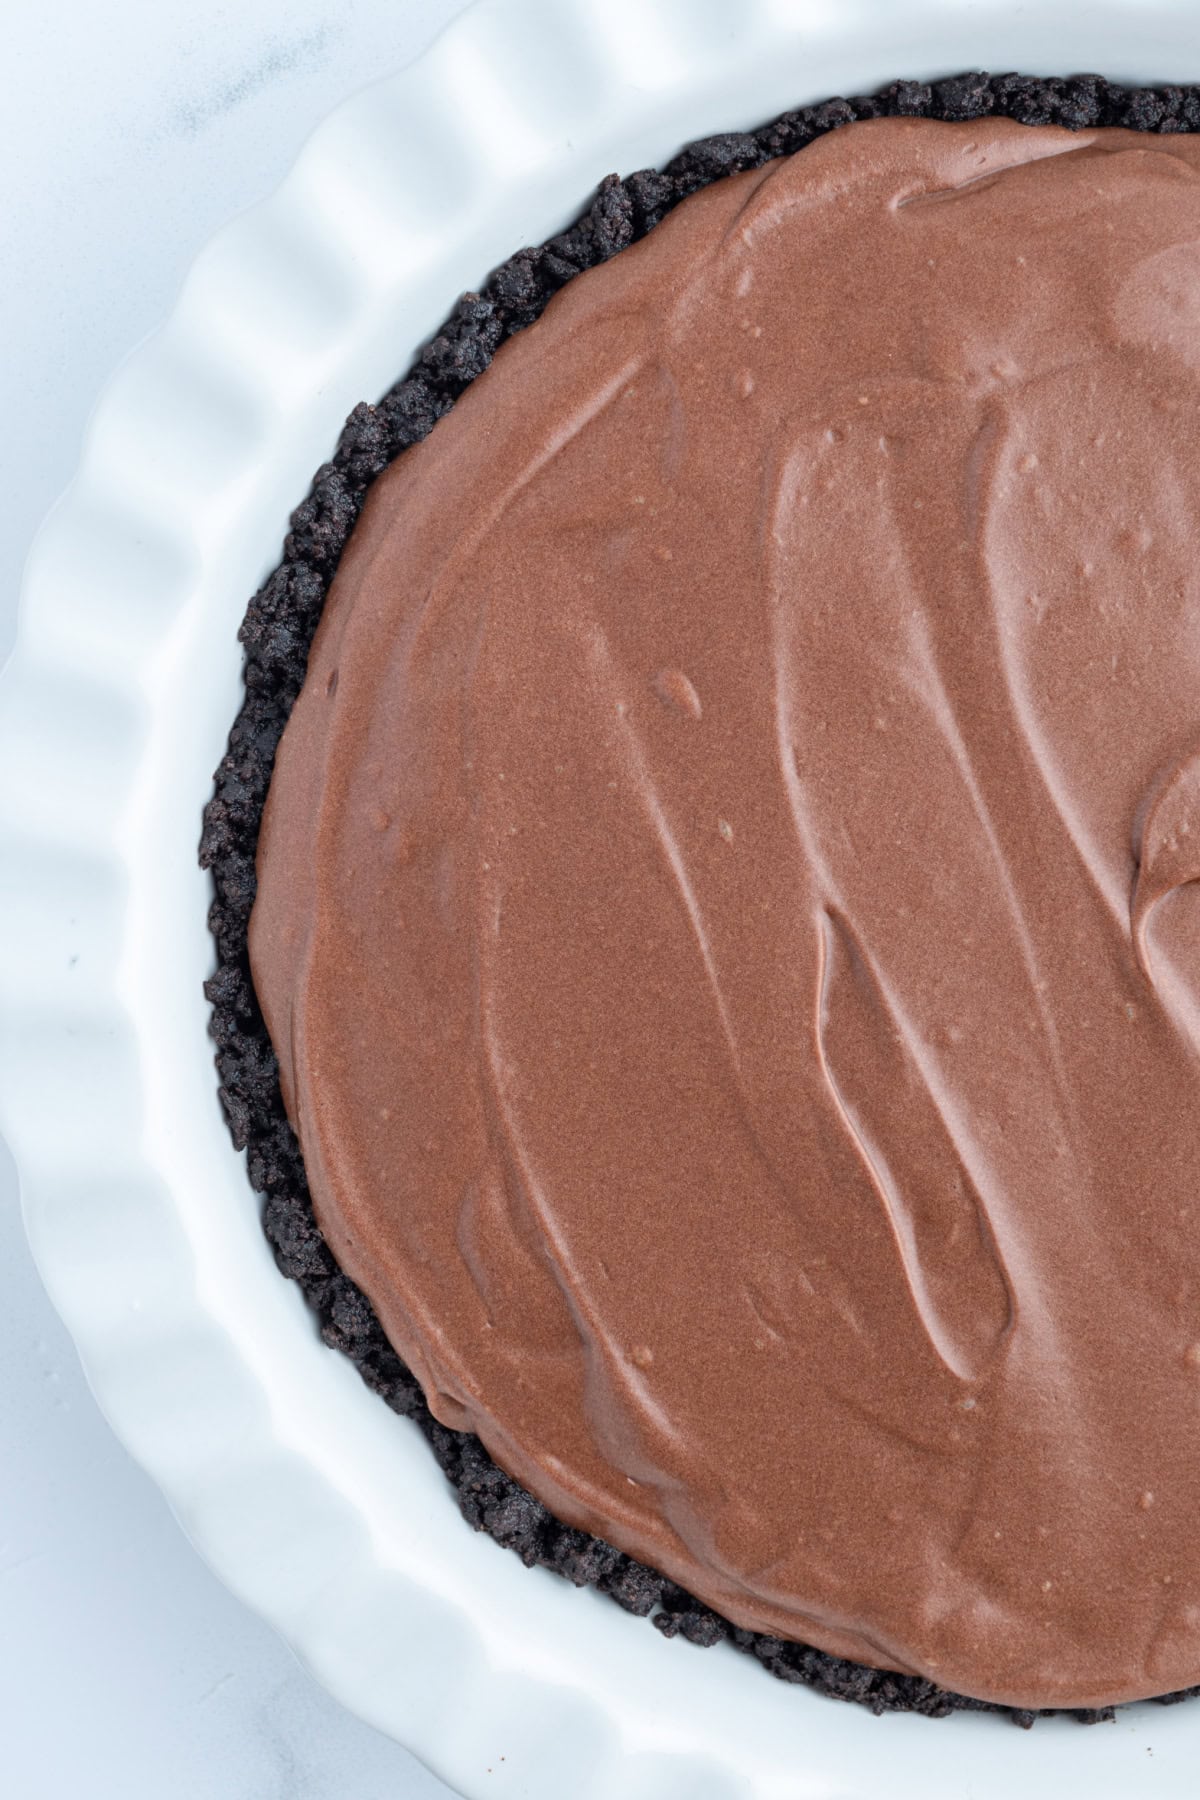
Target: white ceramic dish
[(315, 1503)]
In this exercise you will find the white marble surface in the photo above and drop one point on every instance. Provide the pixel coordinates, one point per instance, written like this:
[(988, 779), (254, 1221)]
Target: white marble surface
[(130, 131)]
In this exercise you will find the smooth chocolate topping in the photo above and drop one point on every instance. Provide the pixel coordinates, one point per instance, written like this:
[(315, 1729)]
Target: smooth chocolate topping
[(728, 911)]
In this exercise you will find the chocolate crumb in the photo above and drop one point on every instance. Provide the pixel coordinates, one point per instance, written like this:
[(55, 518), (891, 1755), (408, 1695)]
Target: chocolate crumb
[(276, 635)]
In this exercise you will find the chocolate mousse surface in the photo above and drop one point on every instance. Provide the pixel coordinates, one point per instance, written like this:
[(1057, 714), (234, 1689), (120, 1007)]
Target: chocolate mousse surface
[(726, 911)]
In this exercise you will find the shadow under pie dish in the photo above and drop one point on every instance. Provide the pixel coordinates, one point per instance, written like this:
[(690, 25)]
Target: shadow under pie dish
[(742, 1043)]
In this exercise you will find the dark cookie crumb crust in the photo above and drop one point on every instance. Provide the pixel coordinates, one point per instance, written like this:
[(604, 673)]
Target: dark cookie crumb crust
[(276, 634)]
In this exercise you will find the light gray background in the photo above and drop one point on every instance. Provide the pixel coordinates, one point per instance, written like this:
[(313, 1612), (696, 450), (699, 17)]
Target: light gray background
[(130, 131)]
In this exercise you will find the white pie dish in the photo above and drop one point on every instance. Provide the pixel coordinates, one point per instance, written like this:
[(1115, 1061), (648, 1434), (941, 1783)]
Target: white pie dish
[(313, 1501)]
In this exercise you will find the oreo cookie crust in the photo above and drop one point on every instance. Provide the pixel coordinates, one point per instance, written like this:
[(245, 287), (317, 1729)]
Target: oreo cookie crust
[(277, 632)]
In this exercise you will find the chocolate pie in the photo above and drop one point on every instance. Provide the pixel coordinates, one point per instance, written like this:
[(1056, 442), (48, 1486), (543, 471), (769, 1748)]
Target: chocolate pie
[(727, 913)]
